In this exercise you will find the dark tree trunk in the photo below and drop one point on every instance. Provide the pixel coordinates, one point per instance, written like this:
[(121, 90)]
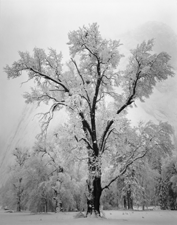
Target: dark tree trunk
[(144, 201), (93, 200), (56, 206), (94, 186), (18, 206), (56, 197), (46, 206), (125, 202), (19, 194), (129, 198), (97, 194)]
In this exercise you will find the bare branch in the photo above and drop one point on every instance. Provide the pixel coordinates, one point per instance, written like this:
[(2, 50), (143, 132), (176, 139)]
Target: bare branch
[(127, 103)]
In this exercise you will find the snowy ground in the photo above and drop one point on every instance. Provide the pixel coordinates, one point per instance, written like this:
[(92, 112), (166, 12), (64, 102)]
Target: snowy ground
[(112, 218)]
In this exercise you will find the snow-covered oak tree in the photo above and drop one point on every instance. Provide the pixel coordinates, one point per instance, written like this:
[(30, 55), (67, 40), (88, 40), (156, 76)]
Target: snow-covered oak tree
[(92, 75)]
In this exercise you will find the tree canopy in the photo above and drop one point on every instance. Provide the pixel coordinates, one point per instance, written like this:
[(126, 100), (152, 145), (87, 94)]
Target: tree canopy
[(96, 92)]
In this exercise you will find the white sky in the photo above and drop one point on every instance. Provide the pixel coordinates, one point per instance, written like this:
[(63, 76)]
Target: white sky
[(25, 24)]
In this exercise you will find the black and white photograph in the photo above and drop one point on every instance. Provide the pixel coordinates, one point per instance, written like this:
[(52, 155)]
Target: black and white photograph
[(88, 112)]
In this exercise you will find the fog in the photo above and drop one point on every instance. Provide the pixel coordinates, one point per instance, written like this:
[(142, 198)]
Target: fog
[(25, 24)]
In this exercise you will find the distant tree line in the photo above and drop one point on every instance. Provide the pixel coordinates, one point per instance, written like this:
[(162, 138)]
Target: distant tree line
[(37, 183)]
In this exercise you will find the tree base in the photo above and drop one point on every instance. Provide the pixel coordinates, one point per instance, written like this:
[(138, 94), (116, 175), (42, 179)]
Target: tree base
[(95, 215), (79, 215)]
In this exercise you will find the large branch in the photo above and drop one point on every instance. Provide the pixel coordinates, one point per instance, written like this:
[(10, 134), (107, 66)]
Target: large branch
[(124, 169), (99, 79), (92, 53), (94, 104), (48, 116), (83, 82), (130, 161), (78, 71), (93, 109), (96, 93), (128, 102), (85, 124), (102, 149), (49, 78)]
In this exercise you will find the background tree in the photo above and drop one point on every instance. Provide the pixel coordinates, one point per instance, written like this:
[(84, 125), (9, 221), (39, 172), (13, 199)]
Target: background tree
[(37, 192), (168, 190), (8, 197), (143, 184), (12, 192), (121, 156), (92, 76), (21, 156)]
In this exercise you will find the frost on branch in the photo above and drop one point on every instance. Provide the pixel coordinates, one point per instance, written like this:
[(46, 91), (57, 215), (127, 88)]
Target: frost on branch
[(131, 144), (92, 76), (100, 128), (145, 70), (88, 43)]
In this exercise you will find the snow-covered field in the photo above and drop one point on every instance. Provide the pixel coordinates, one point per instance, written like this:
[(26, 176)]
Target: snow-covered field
[(112, 218)]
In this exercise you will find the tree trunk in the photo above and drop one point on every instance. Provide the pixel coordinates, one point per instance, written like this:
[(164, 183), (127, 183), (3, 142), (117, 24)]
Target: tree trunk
[(144, 201), (94, 186), (46, 206), (56, 205), (125, 202), (56, 198), (19, 190), (129, 198), (18, 206), (97, 194)]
